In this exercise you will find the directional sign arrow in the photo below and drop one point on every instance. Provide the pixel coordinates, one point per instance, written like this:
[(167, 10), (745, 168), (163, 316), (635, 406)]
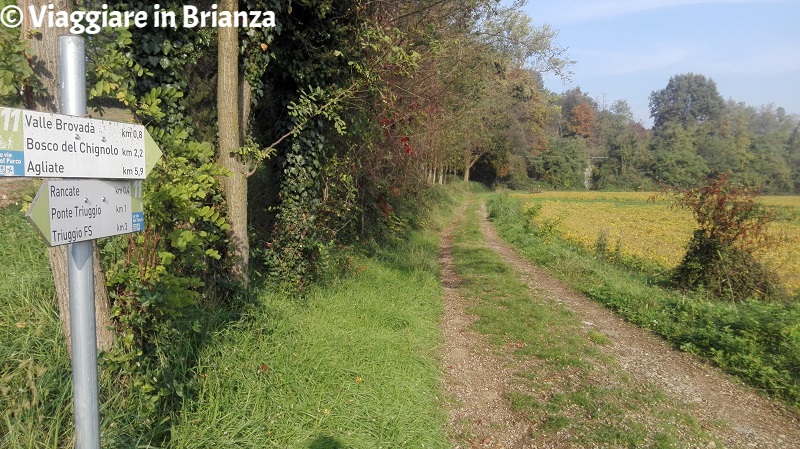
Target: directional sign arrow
[(43, 145), (68, 211)]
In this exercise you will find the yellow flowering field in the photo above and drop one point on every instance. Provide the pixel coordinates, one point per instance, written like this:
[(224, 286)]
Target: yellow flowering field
[(654, 231)]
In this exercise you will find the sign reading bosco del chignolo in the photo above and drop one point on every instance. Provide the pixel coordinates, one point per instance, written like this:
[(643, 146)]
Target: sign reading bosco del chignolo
[(43, 145)]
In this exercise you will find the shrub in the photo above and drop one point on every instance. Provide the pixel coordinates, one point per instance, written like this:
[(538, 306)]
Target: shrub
[(720, 256)]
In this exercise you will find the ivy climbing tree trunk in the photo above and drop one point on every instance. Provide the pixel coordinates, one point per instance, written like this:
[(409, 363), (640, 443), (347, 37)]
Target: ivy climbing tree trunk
[(234, 186), (44, 44)]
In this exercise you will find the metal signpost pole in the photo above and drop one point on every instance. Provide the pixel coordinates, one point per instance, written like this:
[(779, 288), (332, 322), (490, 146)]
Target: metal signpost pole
[(72, 72)]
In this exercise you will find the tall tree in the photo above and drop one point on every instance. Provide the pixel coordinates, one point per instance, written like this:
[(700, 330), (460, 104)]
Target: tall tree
[(571, 100), (620, 146), (44, 44), (582, 120), (689, 99), (675, 158), (794, 158)]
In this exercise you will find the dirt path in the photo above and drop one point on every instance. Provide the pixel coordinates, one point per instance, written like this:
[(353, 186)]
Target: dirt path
[(477, 376)]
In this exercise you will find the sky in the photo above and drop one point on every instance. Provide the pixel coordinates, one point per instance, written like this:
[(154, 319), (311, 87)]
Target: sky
[(626, 49)]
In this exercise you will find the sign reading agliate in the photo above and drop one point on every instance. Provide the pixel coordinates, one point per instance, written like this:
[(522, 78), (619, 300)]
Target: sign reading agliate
[(69, 211), (44, 145)]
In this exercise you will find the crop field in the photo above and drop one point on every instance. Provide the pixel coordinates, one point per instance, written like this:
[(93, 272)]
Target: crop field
[(644, 226)]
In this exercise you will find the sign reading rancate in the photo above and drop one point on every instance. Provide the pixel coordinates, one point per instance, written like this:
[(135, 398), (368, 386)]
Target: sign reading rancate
[(69, 211)]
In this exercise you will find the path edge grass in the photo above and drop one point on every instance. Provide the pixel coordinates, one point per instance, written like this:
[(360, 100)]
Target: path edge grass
[(755, 341), (353, 364)]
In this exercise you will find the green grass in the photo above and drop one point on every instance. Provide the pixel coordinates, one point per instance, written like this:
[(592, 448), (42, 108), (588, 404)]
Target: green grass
[(566, 385), (35, 378), (351, 366), (759, 342)]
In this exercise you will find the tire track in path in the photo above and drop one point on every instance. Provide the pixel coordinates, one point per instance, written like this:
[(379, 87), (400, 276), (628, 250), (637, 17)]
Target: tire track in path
[(476, 376), (727, 408)]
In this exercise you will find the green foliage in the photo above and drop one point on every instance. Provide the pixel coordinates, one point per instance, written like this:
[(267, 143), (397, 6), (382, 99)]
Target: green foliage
[(331, 61), (755, 340), (512, 34), (113, 70), (516, 174), (689, 99), (316, 102), (622, 149), (563, 164), (298, 240), (675, 158), (720, 256), (15, 70), (697, 133)]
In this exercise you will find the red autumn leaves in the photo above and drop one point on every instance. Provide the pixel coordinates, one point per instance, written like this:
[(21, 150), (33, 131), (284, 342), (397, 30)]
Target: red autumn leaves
[(406, 145)]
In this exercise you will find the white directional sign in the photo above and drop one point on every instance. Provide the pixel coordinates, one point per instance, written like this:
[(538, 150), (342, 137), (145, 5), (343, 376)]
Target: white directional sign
[(68, 211), (42, 145)]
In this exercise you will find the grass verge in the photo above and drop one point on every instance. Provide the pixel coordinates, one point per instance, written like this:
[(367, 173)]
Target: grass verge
[(565, 386), (759, 342), (352, 365), (35, 377)]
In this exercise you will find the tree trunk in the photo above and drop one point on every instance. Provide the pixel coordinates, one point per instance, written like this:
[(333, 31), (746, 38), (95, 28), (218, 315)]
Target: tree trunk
[(467, 166), (234, 186), (44, 45), (245, 99)]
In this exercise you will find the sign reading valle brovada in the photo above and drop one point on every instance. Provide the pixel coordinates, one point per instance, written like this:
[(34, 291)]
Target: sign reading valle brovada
[(44, 145)]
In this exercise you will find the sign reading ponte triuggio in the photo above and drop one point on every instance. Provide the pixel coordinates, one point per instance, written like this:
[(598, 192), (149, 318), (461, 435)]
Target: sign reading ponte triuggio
[(43, 145), (75, 210)]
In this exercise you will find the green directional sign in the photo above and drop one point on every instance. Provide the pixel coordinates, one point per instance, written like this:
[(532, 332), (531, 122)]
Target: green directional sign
[(43, 145), (69, 211)]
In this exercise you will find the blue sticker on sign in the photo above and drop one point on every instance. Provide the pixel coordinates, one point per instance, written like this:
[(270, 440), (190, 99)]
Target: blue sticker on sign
[(12, 163), (138, 221)]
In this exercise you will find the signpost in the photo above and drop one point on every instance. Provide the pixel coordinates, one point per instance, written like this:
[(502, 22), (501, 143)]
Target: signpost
[(38, 144), (116, 156), (69, 211)]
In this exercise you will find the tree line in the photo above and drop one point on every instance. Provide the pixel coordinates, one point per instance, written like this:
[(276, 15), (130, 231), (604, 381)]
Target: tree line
[(575, 143), (758, 146)]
